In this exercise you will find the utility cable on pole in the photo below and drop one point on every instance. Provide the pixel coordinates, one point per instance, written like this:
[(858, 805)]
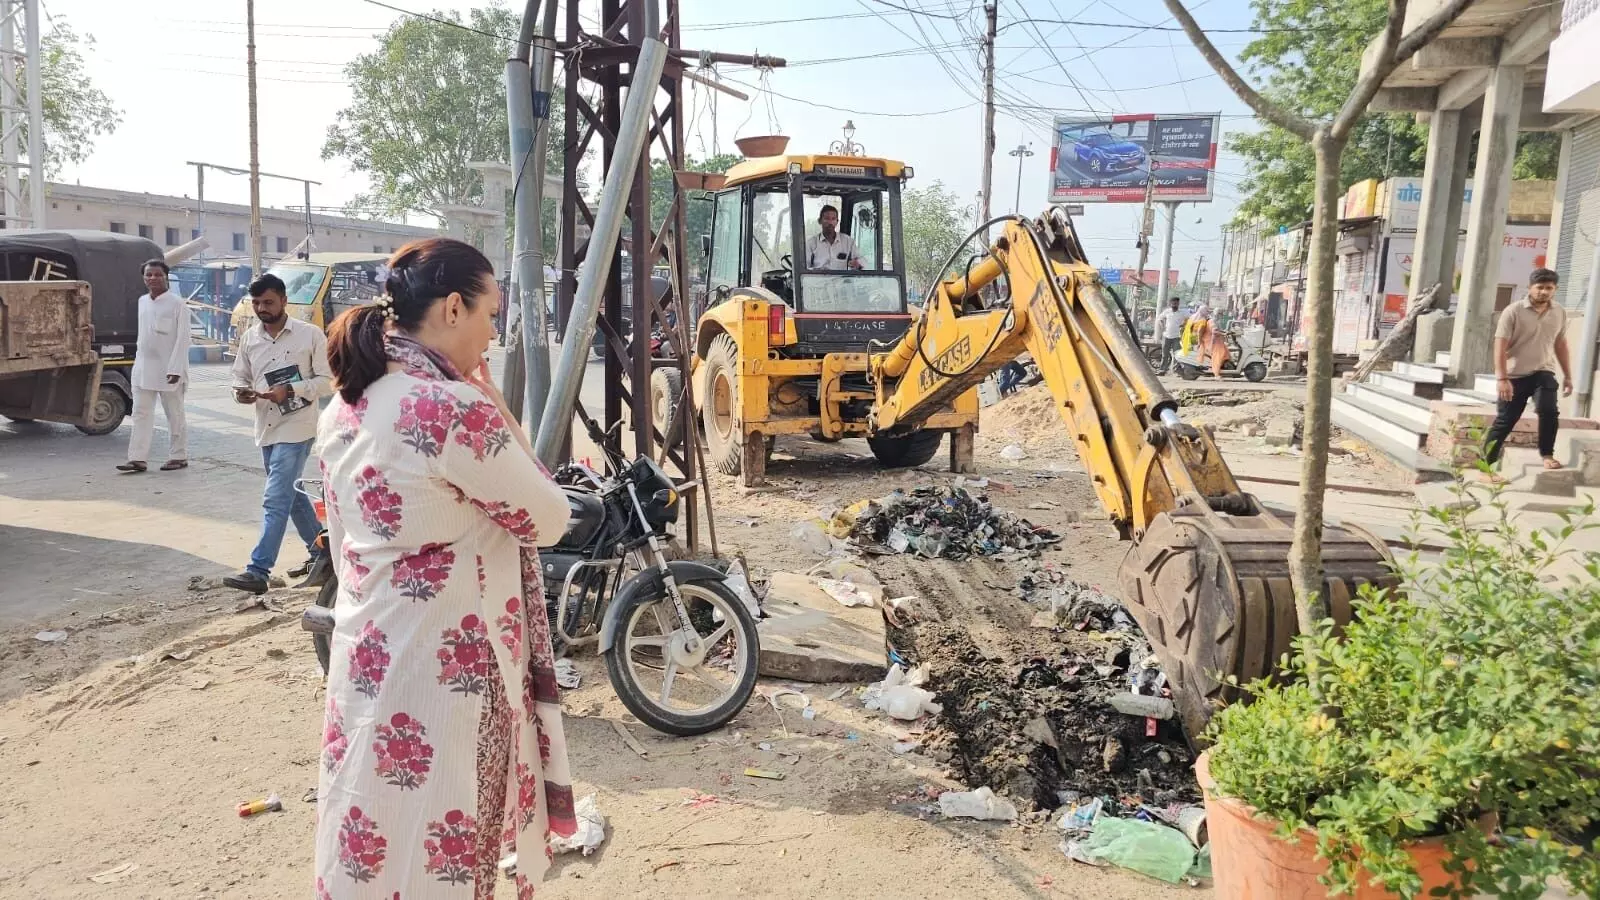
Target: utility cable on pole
[(1146, 227), (991, 15), (255, 145)]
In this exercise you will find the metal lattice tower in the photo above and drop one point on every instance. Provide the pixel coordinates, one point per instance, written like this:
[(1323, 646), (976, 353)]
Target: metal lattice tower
[(21, 110)]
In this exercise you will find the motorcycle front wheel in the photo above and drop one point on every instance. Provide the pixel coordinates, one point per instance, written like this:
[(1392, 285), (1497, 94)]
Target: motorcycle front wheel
[(691, 679)]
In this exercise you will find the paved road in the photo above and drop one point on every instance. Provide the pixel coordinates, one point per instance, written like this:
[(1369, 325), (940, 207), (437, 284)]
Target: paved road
[(73, 530)]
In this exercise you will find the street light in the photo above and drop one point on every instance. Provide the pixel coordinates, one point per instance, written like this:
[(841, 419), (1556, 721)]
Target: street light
[(1020, 153), (848, 146)]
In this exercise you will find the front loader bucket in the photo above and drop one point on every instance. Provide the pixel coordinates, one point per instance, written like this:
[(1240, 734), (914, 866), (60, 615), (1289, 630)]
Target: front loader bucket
[(1212, 594)]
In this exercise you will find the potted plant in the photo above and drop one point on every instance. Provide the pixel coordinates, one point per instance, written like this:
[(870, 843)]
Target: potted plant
[(1446, 743)]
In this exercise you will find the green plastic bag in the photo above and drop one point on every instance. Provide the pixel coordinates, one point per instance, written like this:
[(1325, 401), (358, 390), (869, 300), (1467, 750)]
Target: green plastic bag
[(1155, 850)]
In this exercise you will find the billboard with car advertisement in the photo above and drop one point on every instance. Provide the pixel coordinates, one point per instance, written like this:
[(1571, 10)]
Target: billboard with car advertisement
[(1109, 159)]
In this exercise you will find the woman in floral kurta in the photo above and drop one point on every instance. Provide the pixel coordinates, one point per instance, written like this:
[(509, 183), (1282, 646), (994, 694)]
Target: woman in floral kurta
[(443, 748)]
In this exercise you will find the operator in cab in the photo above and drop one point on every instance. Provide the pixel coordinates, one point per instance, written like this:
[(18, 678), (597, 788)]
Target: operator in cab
[(832, 249)]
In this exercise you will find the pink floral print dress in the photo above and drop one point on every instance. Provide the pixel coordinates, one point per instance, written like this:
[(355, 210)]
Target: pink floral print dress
[(442, 746)]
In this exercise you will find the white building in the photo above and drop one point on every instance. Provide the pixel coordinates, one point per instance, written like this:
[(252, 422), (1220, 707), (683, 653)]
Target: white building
[(171, 221)]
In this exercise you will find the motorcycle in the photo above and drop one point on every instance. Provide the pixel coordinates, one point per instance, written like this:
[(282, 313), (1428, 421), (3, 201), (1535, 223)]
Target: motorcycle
[(680, 646)]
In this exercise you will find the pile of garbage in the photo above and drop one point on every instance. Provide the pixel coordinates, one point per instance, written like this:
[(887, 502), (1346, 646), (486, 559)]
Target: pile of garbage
[(943, 522), (1083, 723), (1169, 843), (1065, 602)]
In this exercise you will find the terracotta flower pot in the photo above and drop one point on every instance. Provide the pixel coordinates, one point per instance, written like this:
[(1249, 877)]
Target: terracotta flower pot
[(1250, 862), (700, 181), (765, 145)]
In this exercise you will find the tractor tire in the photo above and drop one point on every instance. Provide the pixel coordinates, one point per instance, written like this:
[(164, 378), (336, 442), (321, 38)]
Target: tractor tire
[(666, 390), (906, 452), (719, 410), (110, 406), (1256, 371)]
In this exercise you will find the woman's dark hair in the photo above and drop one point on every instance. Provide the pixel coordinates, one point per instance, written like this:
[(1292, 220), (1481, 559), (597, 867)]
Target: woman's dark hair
[(420, 273), (268, 282)]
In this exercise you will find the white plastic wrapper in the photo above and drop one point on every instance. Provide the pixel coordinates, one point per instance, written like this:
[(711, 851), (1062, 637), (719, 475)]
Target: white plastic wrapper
[(591, 831)]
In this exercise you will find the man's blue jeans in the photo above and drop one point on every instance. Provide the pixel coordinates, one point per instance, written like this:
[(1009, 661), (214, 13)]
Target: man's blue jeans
[(280, 502)]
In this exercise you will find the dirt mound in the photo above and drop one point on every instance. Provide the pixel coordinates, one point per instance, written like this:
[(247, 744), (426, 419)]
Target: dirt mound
[(1044, 730), (1028, 417), (1224, 409)]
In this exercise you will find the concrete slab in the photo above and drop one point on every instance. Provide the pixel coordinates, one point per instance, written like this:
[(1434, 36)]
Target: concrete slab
[(809, 636), (1551, 482)]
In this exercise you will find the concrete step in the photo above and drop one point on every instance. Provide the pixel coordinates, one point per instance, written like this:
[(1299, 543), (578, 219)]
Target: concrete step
[(1442, 358), (1469, 398), (1371, 420), (1428, 372), (1405, 453), (1407, 384), (1413, 411)]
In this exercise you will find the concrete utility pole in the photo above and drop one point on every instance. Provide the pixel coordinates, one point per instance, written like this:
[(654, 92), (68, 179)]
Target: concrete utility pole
[(992, 15), (1166, 252), (1199, 269), (255, 147), (1147, 225), (1022, 152)]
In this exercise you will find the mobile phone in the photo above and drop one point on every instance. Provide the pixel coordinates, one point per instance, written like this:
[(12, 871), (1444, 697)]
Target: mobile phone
[(244, 393)]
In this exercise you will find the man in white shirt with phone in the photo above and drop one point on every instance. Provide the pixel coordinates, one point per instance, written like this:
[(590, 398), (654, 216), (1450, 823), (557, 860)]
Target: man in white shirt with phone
[(281, 370)]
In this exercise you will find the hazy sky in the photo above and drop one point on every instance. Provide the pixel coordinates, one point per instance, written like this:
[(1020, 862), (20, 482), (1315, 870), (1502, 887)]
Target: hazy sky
[(176, 70)]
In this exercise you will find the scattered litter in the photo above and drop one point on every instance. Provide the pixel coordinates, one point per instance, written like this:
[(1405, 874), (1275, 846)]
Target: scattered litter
[(1068, 603), (110, 876), (1140, 705), (843, 591), (310, 796), (1013, 452), (764, 773), (901, 748), (1155, 850), (567, 675), (701, 801), (764, 747), (738, 580), (839, 693), (1191, 820), (629, 739), (179, 655), (1081, 818), (256, 807), (858, 577), (775, 694), (952, 523), (591, 831), (809, 535), (51, 637), (979, 804), (899, 695), (257, 602), (808, 714)]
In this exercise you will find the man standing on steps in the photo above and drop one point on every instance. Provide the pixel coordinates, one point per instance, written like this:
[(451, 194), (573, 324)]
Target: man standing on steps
[(160, 372), (282, 370), (1169, 331), (1529, 343)]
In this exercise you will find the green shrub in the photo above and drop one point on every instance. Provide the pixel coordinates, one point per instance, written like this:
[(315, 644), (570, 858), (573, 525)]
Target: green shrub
[(1475, 690)]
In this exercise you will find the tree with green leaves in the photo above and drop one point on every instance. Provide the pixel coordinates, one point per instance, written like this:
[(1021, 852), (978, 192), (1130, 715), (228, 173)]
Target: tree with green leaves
[(933, 222), (428, 101), (1377, 51), (1307, 57), (697, 204), (75, 111)]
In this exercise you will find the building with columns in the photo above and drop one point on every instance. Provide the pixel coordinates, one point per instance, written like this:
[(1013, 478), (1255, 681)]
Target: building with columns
[(1482, 82)]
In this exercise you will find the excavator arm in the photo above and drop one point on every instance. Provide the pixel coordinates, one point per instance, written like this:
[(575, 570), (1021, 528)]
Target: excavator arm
[(1207, 573)]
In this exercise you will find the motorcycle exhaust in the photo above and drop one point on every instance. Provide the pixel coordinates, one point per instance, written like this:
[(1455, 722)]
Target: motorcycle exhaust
[(317, 620)]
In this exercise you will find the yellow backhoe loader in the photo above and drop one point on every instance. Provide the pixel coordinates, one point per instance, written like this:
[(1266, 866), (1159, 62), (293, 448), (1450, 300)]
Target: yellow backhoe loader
[(1207, 575)]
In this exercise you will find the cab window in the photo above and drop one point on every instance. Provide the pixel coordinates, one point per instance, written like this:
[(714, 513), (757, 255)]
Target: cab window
[(726, 230), (769, 231)]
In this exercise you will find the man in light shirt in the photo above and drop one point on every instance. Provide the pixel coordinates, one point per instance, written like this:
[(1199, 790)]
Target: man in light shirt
[(1530, 346), (1169, 331), (282, 370), (160, 372), (832, 249)]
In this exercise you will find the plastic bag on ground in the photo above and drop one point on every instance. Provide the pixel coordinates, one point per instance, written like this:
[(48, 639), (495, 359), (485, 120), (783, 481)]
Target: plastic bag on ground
[(591, 831), (979, 804), (567, 675), (738, 581), (845, 570), (1155, 850), (845, 592), (898, 695), (809, 535)]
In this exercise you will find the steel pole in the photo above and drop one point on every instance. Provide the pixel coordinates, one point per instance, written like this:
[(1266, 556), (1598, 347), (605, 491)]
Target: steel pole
[(592, 275), (310, 229), (35, 76), (1591, 334), (200, 201)]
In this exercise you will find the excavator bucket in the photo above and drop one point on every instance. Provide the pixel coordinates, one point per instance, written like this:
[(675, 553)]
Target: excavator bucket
[(1212, 594)]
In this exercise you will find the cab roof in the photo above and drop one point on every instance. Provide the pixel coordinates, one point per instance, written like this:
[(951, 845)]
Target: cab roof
[(768, 166)]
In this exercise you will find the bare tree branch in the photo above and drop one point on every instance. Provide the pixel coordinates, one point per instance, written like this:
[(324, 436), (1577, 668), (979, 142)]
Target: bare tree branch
[(1371, 77), (1263, 107), (1430, 29)]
